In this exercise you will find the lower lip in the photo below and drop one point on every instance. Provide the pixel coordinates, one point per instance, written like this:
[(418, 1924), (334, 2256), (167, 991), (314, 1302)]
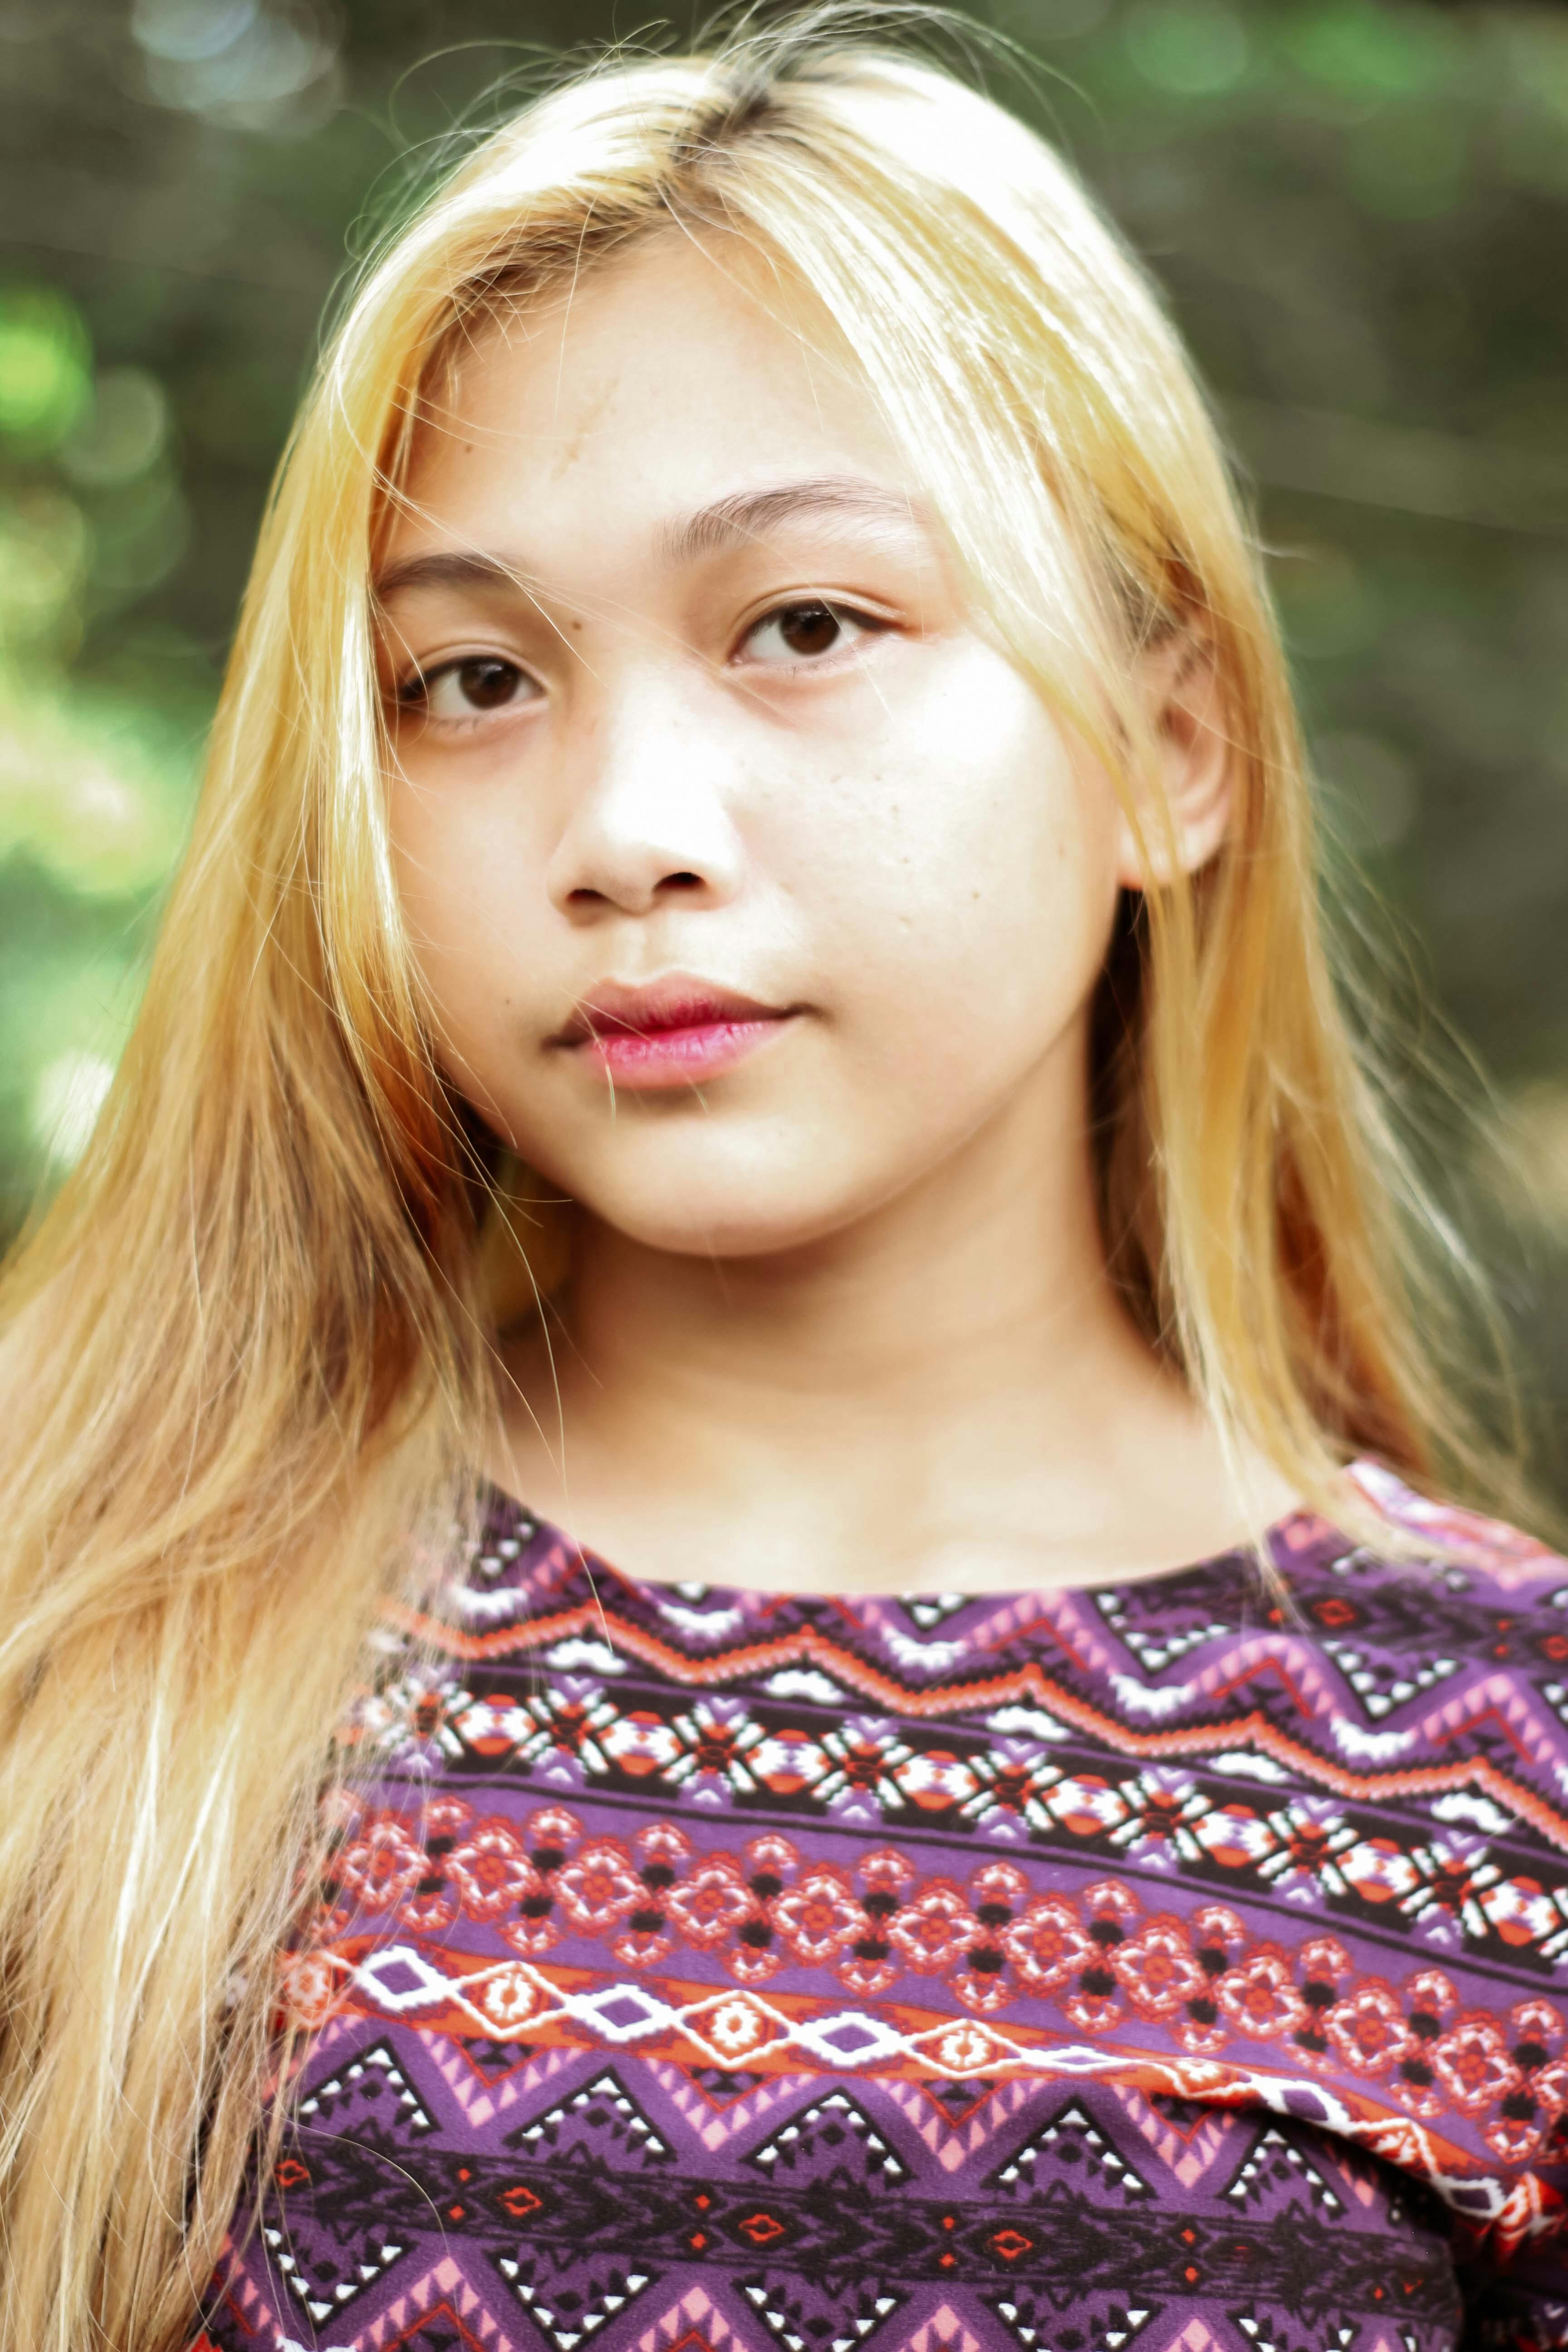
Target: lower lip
[(678, 1057)]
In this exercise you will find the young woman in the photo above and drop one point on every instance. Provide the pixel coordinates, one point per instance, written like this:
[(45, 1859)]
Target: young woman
[(740, 1135)]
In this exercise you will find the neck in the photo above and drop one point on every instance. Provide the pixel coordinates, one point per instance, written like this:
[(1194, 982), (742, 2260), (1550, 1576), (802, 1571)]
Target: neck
[(963, 1284), (949, 1388)]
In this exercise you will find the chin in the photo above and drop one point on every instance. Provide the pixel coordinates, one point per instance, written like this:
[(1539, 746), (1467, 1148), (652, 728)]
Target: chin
[(748, 1216)]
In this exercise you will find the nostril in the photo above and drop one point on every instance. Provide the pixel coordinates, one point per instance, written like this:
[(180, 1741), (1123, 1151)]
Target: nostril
[(681, 882)]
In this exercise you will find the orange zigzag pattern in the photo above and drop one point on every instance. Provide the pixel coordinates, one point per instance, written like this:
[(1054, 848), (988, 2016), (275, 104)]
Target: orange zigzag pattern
[(1496, 1698)]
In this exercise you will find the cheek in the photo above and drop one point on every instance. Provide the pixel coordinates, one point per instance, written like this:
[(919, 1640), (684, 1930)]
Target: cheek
[(460, 908), (968, 873)]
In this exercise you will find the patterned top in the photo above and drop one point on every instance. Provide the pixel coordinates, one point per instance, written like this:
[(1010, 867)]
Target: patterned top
[(1145, 1969)]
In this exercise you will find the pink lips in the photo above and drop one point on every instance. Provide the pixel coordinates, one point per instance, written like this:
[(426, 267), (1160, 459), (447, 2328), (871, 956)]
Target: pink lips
[(671, 1033)]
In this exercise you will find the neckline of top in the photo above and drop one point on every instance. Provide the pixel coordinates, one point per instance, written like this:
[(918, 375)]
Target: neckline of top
[(1286, 1536)]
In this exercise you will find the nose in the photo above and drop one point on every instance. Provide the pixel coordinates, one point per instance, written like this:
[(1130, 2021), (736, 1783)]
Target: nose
[(649, 819)]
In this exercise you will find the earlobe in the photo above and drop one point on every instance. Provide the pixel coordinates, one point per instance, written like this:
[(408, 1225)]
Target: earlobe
[(1193, 765)]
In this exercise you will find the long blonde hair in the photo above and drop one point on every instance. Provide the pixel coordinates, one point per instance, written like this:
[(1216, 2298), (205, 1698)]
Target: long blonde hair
[(246, 1352)]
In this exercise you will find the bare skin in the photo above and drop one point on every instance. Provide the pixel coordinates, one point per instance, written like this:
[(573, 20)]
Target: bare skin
[(838, 1317)]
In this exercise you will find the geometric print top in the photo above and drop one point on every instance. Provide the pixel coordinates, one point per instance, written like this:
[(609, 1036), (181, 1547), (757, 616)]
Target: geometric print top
[(1149, 1967)]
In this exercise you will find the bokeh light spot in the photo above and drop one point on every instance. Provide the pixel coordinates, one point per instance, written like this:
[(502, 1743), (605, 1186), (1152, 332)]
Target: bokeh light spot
[(1363, 50), (1190, 50), (123, 432), (253, 68), (45, 551), (188, 30), (45, 361), (92, 789)]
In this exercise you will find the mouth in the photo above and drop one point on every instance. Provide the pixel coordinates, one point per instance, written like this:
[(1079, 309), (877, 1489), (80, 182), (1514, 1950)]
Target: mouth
[(668, 1033)]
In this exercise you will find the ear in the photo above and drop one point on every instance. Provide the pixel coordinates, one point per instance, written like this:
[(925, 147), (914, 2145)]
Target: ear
[(1184, 709)]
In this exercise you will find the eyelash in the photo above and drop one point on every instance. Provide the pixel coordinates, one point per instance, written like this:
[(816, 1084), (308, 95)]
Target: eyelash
[(841, 612), (414, 692)]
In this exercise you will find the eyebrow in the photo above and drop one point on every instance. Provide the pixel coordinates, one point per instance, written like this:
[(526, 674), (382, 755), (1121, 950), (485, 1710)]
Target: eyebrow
[(448, 568), (743, 515), (748, 514)]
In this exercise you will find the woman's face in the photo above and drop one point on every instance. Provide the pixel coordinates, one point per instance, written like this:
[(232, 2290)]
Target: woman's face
[(748, 883)]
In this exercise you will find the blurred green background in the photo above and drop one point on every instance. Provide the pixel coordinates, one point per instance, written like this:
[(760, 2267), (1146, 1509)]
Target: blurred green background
[(1360, 210)]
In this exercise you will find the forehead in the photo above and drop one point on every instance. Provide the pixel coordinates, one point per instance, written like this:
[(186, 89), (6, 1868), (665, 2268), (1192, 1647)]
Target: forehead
[(589, 418)]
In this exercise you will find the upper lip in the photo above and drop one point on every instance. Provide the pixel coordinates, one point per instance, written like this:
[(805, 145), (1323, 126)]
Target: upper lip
[(616, 1008)]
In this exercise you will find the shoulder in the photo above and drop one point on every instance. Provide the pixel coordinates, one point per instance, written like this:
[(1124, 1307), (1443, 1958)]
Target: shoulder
[(1428, 1598), (1438, 1660), (1503, 1556)]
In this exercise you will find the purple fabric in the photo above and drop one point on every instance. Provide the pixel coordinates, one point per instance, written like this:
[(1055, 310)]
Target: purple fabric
[(1148, 1968)]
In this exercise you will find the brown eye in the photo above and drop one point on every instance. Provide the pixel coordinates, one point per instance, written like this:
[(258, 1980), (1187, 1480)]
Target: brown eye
[(801, 633), (468, 689), (487, 685), (809, 628)]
